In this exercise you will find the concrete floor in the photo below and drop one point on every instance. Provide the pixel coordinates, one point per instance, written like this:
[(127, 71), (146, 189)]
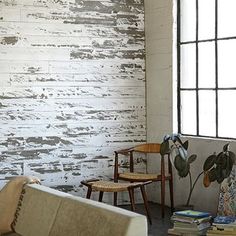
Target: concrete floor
[(159, 226)]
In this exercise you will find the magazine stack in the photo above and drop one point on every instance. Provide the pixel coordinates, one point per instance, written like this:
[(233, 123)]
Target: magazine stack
[(223, 225), (190, 222)]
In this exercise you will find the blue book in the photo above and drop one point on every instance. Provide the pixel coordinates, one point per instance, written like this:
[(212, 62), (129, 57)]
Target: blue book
[(192, 214), (224, 219)]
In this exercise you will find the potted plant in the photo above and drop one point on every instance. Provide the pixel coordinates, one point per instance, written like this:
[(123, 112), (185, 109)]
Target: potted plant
[(216, 167)]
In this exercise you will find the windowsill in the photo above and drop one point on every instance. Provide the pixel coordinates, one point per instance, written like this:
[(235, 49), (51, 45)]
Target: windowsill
[(208, 138)]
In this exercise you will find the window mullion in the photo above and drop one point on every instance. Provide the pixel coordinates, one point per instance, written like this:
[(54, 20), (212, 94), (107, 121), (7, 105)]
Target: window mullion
[(216, 63), (179, 64), (197, 81)]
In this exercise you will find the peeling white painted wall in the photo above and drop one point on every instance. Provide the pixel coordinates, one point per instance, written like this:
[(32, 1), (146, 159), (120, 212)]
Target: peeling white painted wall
[(72, 87)]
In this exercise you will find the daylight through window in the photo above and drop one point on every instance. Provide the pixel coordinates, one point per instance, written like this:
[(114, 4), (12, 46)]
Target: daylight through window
[(207, 68)]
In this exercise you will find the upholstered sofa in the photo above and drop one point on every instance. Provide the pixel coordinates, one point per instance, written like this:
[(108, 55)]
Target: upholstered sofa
[(43, 211)]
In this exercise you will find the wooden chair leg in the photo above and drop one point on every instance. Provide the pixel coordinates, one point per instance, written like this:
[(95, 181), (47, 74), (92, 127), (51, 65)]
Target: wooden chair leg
[(89, 192), (132, 190), (100, 196), (171, 195), (171, 184), (131, 197), (162, 186), (163, 199), (145, 200), (115, 199)]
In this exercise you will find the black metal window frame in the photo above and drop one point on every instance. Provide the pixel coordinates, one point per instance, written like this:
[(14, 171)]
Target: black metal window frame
[(197, 88)]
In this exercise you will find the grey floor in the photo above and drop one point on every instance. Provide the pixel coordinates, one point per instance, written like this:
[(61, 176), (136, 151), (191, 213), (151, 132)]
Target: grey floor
[(159, 226)]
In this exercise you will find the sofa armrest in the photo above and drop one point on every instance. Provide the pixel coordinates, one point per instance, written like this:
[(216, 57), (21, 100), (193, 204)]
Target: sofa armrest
[(79, 216), (9, 198)]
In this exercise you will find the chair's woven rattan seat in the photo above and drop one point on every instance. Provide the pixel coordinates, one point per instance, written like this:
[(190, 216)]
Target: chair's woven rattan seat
[(115, 187), (138, 176), (108, 186)]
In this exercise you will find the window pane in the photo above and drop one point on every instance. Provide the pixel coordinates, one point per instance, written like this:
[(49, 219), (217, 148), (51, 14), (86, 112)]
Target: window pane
[(206, 65), (226, 18), (188, 66), (227, 114), (206, 18), (207, 113), (226, 63), (188, 20), (188, 112)]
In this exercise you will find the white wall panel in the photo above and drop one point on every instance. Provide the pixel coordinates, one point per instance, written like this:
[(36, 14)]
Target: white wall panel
[(72, 88)]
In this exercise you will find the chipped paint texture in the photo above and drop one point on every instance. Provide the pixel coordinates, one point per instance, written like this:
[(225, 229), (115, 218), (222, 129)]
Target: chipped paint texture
[(72, 88)]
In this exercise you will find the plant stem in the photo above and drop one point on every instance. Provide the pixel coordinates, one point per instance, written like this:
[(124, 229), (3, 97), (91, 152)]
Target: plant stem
[(192, 186), (190, 180)]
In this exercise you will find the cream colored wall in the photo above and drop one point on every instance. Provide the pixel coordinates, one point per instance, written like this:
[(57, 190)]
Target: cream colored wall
[(158, 25), (159, 64)]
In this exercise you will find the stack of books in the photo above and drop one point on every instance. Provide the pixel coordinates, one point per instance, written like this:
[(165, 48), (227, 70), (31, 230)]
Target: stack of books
[(223, 225), (190, 222)]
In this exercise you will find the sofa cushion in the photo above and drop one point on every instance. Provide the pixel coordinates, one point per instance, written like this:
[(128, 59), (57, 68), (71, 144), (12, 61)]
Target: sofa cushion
[(37, 210), (11, 234), (9, 197), (82, 217)]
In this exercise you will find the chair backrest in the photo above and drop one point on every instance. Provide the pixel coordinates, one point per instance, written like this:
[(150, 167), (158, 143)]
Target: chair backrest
[(141, 148), (147, 148)]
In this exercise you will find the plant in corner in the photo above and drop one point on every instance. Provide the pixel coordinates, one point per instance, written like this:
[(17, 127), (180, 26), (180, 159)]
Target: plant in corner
[(216, 167)]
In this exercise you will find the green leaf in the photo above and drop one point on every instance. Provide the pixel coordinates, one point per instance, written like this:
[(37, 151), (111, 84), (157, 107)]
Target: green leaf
[(226, 147), (218, 157), (209, 162), (192, 158), (221, 160), (229, 167), (164, 149), (183, 173), (219, 176), (212, 175), (185, 145), (232, 156), (179, 163), (225, 173), (220, 180), (231, 160), (173, 153)]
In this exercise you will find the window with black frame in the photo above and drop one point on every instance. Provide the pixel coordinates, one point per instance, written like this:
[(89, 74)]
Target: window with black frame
[(207, 68)]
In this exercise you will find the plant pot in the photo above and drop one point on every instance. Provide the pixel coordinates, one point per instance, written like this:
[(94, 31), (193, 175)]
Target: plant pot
[(184, 207)]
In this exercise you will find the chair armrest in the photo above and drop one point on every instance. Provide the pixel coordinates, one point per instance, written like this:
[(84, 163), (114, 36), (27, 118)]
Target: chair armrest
[(124, 151)]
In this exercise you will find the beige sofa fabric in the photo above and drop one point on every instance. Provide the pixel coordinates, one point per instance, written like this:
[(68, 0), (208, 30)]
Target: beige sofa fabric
[(9, 197), (82, 217), (11, 234), (38, 210), (47, 212)]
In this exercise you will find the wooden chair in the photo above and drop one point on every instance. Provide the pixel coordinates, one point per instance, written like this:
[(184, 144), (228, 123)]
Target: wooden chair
[(133, 176)]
